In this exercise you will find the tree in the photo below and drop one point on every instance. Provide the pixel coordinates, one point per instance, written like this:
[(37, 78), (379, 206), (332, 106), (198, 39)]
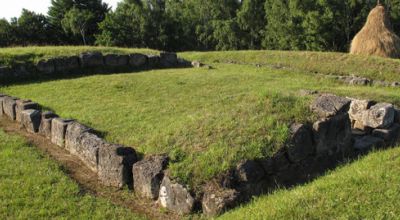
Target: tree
[(77, 22), (5, 33), (251, 21)]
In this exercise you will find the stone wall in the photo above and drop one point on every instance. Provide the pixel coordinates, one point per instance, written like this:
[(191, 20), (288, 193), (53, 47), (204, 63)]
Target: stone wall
[(88, 63), (346, 128)]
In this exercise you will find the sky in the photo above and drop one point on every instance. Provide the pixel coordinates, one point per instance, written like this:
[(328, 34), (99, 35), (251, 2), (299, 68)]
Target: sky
[(13, 8)]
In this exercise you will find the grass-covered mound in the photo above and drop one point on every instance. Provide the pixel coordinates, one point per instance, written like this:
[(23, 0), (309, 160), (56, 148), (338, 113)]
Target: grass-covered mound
[(34, 187), (368, 188), (205, 119)]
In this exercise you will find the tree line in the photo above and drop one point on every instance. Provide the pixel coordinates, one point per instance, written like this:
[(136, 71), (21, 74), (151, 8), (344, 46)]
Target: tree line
[(177, 25)]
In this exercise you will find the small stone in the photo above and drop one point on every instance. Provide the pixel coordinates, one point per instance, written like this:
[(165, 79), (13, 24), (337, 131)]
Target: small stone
[(197, 64), (45, 124), (217, 200), (366, 143), (380, 115), (46, 66), (137, 60), (301, 144), (148, 174), (249, 171), (115, 60), (58, 130), (359, 81), (395, 84), (91, 59), (30, 119), (175, 197), (306, 92), (330, 105), (115, 165)]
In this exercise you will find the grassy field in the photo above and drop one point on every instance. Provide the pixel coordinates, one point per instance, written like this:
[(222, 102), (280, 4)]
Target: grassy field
[(206, 120), (32, 186), (15, 55), (367, 189)]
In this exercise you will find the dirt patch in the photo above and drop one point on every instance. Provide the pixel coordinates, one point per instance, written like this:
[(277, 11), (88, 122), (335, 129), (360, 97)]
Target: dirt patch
[(87, 179)]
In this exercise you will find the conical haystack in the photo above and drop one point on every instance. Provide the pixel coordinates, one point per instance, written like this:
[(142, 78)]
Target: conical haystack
[(376, 37)]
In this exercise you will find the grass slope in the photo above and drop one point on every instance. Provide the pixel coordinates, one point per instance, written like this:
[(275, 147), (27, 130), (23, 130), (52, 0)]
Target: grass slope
[(367, 189), (206, 120), (33, 187)]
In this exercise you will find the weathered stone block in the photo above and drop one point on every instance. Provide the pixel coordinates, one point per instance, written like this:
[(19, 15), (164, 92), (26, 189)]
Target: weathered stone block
[(328, 105), (137, 60), (276, 163), (66, 64), (333, 135), (217, 200), (115, 165), (148, 174), (390, 135), (115, 60), (2, 97), (153, 61), (31, 119), (380, 115), (175, 197), (249, 171), (168, 60), (366, 143), (9, 104), (88, 149), (73, 136), (46, 66), (45, 124), (301, 143), (91, 59), (22, 105), (58, 130)]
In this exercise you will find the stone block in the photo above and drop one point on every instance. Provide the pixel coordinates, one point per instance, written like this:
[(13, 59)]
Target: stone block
[(73, 136), (328, 105), (46, 66), (137, 60), (88, 149), (66, 64), (9, 104), (45, 124), (2, 97), (148, 174), (300, 144), (249, 171), (58, 130), (91, 59), (22, 105), (168, 60), (153, 61), (367, 143), (115, 60), (390, 135), (115, 165), (31, 119), (175, 197), (380, 115), (217, 200)]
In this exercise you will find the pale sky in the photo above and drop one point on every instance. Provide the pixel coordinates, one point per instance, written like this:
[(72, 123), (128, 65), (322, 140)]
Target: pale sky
[(13, 8)]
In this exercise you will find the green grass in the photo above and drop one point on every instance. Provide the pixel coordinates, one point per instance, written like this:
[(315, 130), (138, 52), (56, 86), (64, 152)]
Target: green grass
[(367, 189), (16, 55), (207, 120), (32, 186)]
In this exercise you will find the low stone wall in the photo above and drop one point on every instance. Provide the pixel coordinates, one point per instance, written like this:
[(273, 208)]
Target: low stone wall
[(346, 128), (90, 62)]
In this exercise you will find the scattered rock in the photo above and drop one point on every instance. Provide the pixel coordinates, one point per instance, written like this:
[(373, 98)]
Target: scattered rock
[(380, 115), (115, 60), (148, 174), (333, 135), (115, 165), (137, 60), (22, 105), (30, 119), (91, 59), (58, 130), (197, 64), (390, 135), (9, 104), (249, 171), (366, 143), (330, 105), (217, 200), (46, 66), (168, 59), (360, 81), (45, 124), (66, 64), (175, 197), (301, 144)]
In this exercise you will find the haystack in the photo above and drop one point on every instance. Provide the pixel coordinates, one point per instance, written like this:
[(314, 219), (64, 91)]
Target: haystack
[(377, 37)]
